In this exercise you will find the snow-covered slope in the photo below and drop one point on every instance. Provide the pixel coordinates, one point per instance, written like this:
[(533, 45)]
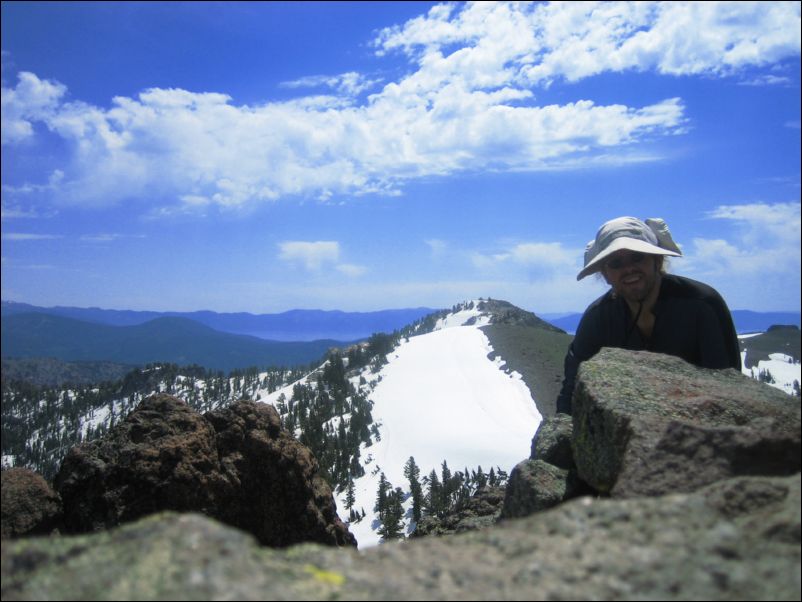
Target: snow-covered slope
[(439, 398), (781, 370)]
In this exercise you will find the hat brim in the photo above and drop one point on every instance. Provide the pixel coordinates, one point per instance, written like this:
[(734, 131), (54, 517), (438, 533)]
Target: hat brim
[(619, 244)]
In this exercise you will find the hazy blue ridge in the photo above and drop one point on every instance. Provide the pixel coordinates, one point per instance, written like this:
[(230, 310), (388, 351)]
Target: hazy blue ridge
[(745, 320), (294, 325), (167, 339)]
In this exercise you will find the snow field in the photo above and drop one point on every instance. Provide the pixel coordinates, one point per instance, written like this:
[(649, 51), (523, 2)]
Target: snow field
[(441, 398)]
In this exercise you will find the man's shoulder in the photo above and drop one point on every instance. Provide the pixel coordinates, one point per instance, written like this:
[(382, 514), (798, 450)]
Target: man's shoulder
[(605, 300), (681, 286)]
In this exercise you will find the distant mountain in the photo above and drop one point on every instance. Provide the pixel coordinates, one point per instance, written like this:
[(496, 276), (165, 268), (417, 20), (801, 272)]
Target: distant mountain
[(745, 321), (295, 325), (467, 386), (173, 340)]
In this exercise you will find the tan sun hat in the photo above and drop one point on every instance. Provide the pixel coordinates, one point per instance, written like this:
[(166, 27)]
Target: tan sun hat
[(651, 237)]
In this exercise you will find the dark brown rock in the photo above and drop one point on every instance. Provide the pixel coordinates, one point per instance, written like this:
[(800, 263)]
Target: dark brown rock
[(163, 456), (279, 492), (236, 465), (651, 424), (30, 506)]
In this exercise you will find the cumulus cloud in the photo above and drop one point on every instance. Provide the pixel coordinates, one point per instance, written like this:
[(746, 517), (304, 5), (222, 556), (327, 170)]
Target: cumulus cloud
[(314, 256), (573, 40), (31, 100), (535, 257), (766, 241), (350, 84), (468, 104)]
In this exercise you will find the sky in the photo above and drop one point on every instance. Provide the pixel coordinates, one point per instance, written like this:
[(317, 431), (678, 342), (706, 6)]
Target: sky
[(263, 157)]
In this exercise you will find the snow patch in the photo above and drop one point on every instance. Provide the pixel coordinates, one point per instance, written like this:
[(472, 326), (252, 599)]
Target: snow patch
[(441, 398)]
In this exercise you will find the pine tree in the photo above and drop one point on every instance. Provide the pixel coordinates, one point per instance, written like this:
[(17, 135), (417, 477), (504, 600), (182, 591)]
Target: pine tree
[(412, 473), (433, 499), (381, 497), (392, 523), (350, 495)]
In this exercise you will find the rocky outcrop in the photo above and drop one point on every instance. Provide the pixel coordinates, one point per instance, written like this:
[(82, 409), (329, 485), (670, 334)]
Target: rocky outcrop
[(738, 539), (482, 510), (552, 442), (235, 465), (535, 485), (549, 477), (30, 506), (277, 493), (666, 443), (649, 424), (504, 312)]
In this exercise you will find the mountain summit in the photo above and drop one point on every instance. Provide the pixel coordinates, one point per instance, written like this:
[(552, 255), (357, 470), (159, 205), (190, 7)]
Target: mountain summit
[(443, 396)]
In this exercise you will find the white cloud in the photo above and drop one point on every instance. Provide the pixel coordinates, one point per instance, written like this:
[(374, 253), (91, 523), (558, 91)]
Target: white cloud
[(766, 243), (313, 255), (468, 105), (535, 257), (31, 100), (437, 247), (351, 270), (23, 236), (350, 84), (573, 40), (767, 80)]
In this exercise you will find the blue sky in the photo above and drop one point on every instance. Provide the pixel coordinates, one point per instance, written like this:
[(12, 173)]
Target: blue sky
[(269, 156)]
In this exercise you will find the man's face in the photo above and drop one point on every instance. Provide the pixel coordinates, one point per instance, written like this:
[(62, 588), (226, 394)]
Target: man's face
[(632, 275)]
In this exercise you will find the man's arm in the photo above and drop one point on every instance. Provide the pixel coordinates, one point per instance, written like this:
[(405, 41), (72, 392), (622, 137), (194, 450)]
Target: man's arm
[(587, 342)]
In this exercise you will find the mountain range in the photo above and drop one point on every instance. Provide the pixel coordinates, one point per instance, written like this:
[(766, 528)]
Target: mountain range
[(295, 325), (461, 390), (746, 321), (168, 339)]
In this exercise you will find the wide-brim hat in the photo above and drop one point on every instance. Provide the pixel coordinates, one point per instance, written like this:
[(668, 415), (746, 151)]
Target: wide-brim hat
[(651, 237)]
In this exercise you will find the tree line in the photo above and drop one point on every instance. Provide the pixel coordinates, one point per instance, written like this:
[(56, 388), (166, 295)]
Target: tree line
[(432, 495)]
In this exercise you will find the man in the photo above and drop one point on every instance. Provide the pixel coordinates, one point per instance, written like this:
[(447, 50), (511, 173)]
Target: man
[(646, 308)]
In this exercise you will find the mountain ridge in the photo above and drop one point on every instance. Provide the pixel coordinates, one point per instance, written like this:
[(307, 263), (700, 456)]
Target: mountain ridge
[(746, 321), (164, 339), (293, 325)]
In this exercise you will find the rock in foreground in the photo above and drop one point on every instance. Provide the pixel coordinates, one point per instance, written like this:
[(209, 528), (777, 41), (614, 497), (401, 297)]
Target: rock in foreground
[(236, 465), (738, 539), (650, 424), (30, 506)]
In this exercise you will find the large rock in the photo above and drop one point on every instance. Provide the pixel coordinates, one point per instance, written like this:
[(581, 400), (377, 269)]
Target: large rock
[(278, 493), (535, 485), (236, 465), (163, 456), (736, 540), (30, 506), (649, 424), (552, 441)]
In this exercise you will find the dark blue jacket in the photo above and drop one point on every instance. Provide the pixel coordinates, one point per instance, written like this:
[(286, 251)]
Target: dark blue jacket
[(692, 321)]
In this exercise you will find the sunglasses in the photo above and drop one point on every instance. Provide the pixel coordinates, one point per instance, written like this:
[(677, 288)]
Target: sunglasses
[(618, 263)]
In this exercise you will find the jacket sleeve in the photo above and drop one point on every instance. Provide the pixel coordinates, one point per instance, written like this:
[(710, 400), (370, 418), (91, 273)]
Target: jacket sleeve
[(718, 342), (586, 344), (570, 368)]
